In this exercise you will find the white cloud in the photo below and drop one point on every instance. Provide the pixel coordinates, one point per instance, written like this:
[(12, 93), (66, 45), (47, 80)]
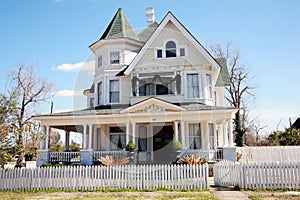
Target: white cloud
[(85, 66), (69, 93)]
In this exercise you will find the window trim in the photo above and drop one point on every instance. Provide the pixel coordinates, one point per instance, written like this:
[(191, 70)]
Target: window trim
[(171, 49), (209, 92), (194, 135), (98, 93), (119, 100), (110, 59), (187, 86)]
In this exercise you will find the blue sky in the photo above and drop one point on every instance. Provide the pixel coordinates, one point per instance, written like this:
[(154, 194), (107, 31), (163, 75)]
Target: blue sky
[(54, 35)]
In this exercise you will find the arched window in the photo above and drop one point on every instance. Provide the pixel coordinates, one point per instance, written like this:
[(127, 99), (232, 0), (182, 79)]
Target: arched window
[(170, 49)]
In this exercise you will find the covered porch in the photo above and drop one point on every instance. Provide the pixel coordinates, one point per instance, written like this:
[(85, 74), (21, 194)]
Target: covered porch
[(152, 126)]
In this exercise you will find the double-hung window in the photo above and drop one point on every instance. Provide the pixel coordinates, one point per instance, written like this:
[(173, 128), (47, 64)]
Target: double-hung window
[(195, 141), (117, 138), (99, 93), (192, 86), (114, 57), (114, 91), (208, 87)]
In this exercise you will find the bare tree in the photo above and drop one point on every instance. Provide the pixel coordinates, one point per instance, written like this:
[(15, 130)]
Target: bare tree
[(240, 93), (30, 91)]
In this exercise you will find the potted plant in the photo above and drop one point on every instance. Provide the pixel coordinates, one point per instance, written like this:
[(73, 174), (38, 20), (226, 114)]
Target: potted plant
[(130, 147)]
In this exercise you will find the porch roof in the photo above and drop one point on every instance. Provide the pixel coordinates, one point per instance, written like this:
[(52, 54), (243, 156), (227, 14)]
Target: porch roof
[(107, 111)]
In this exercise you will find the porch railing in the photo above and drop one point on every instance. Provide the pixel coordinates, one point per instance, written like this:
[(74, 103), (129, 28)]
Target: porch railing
[(114, 154), (208, 154), (70, 157)]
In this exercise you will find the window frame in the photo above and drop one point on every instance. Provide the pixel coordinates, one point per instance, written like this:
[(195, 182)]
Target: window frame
[(99, 93), (169, 51), (120, 133), (110, 91), (193, 86), (194, 135), (208, 86), (113, 62)]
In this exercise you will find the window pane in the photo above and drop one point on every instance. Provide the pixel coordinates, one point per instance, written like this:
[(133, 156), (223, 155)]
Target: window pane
[(170, 45), (192, 86), (114, 58), (195, 136), (159, 53), (170, 49), (208, 86), (114, 91), (99, 91), (182, 52)]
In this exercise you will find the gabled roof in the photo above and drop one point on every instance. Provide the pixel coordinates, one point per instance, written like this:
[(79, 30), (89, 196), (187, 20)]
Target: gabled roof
[(224, 78), (119, 27), (147, 32), (184, 31), (152, 104)]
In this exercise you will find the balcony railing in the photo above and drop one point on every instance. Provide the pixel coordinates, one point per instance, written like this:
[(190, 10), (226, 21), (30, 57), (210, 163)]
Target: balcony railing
[(69, 157)]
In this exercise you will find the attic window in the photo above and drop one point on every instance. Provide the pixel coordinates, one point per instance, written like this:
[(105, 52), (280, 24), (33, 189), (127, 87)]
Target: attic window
[(170, 49), (182, 52), (159, 53), (114, 57)]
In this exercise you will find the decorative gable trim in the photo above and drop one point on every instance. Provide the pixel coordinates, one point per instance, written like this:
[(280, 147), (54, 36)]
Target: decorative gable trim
[(170, 17), (153, 105)]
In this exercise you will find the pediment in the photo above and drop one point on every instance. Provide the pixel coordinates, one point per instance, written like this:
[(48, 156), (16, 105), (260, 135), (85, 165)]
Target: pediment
[(153, 105)]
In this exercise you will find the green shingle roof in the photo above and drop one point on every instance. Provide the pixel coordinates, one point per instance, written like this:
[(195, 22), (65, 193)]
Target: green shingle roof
[(224, 78), (147, 32), (119, 27)]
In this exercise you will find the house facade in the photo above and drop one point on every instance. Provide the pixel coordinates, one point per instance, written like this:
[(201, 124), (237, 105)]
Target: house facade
[(151, 88)]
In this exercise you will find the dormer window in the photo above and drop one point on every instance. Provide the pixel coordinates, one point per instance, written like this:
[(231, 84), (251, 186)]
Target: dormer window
[(115, 57), (170, 49)]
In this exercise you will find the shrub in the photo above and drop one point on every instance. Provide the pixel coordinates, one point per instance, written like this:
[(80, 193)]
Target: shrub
[(176, 145), (130, 146)]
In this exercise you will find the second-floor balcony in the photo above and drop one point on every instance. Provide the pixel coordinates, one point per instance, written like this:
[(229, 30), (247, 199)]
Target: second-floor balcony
[(166, 85)]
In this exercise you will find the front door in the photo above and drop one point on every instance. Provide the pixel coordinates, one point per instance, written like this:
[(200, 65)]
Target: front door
[(162, 136)]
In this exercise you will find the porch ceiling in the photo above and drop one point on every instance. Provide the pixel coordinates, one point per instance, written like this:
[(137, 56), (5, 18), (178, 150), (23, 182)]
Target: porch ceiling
[(73, 128)]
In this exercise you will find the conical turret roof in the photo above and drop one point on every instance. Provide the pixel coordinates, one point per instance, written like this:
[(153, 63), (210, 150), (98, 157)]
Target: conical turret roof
[(119, 27)]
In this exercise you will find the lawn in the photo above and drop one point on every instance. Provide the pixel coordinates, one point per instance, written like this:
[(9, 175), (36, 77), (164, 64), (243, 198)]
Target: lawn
[(107, 195)]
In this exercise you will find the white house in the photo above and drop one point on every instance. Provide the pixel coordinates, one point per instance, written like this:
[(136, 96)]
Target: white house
[(151, 88)]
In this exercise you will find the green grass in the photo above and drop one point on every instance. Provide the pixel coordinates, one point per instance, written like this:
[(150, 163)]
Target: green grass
[(107, 196)]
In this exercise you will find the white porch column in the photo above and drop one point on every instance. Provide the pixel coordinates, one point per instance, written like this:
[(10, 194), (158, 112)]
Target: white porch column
[(176, 130), (127, 132), (47, 138), (207, 135), (220, 135), (90, 136), (230, 133), (215, 135), (225, 133), (67, 140), (133, 133), (182, 127), (42, 142), (84, 137)]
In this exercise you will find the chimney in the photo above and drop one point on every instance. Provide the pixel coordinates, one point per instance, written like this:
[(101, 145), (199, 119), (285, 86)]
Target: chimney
[(150, 15)]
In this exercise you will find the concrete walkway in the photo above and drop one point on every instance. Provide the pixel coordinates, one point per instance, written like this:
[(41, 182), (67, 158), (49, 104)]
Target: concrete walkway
[(226, 193)]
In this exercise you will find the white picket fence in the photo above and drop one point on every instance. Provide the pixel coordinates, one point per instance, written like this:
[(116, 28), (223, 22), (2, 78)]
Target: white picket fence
[(97, 177), (275, 175)]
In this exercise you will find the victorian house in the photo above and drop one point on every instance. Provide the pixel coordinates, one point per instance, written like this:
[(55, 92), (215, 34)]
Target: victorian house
[(151, 88)]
